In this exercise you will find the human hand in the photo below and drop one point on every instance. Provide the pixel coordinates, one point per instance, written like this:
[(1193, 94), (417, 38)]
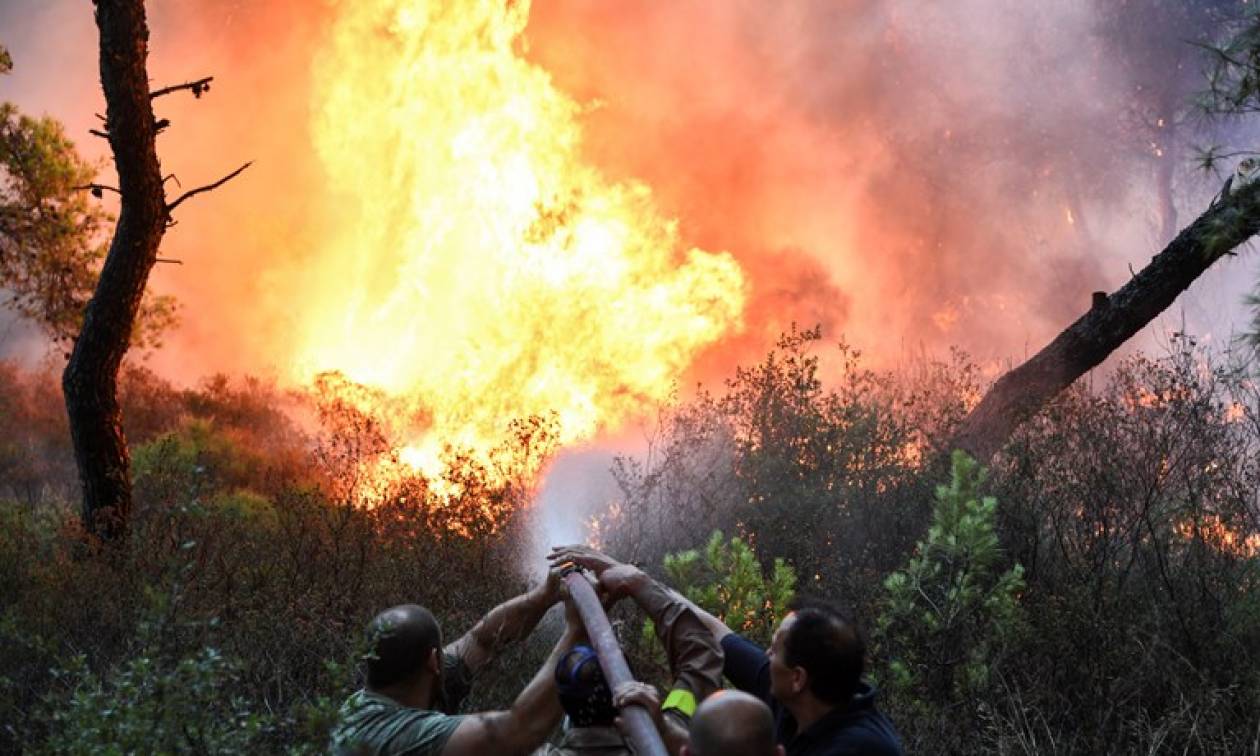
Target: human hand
[(634, 693), (582, 556), (551, 589), (622, 580)]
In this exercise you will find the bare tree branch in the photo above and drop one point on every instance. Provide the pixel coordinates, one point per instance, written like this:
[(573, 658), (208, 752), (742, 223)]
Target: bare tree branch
[(208, 187), (198, 87), (97, 189)]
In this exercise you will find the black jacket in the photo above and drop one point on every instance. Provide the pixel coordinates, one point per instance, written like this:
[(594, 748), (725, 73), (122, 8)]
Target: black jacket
[(860, 728)]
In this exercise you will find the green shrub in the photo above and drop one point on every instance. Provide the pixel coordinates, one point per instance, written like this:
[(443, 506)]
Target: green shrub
[(150, 705), (726, 580), (950, 614)]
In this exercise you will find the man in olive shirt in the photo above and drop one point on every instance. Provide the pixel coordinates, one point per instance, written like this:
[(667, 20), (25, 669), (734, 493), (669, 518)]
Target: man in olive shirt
[(507, 623), (401, 710)]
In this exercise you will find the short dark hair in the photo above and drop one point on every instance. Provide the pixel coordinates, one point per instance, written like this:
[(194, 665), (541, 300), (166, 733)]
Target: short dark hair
[(400, 641), (829, 647)]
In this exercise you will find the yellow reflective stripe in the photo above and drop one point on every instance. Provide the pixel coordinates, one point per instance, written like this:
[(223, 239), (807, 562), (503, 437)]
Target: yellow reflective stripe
[(682, 700)]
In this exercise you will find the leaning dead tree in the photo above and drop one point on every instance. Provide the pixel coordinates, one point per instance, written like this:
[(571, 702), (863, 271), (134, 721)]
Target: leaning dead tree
[(90, 380), (1111, 321)]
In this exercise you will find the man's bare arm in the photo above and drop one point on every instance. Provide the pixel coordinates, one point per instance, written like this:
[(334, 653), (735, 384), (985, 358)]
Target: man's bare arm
[(508, 622), (525, 726)]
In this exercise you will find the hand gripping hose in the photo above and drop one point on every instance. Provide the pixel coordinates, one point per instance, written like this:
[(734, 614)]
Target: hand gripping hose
[(640, 728)]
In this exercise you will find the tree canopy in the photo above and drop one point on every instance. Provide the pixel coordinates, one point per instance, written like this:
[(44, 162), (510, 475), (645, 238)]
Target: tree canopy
[(51, 228)]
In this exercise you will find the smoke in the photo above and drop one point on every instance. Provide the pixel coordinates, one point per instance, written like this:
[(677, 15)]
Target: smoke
[(238, 246), (577, 487), (910, 175), (961, 174)]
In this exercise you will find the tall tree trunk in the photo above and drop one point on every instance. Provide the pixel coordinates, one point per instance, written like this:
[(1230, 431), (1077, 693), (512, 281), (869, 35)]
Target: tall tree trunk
[(1113, 319), (90, 380)]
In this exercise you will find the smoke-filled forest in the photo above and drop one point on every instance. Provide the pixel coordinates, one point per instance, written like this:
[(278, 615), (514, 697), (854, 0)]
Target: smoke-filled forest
[(927, 328)]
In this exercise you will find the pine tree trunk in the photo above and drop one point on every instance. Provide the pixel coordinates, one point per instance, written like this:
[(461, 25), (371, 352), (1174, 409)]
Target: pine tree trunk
[(90, 380), (1112, 320)]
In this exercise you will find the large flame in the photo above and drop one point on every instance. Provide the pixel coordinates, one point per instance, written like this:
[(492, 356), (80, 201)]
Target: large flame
[(484, 270)]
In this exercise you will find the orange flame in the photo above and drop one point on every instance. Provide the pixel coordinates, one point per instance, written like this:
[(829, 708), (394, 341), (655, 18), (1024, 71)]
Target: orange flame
[(483, 270), (1216, 533)]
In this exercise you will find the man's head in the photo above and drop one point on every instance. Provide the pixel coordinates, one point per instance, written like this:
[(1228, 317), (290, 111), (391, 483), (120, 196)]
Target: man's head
[(584, 694), (405, 644), (732, 723), (816, 652)]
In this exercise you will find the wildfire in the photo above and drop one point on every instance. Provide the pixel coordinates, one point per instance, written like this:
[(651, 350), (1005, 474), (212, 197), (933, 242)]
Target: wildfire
[(1212, 530), (483, 271)]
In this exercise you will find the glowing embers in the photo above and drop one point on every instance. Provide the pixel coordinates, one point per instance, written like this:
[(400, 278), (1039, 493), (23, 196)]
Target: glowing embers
[(1213, 531)]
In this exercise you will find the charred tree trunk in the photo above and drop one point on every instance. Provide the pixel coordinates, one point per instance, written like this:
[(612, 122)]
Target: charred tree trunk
[(90, 379), (1112, 320)]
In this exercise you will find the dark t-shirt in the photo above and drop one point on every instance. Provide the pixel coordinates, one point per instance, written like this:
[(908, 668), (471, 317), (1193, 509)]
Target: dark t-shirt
[(860, 728)]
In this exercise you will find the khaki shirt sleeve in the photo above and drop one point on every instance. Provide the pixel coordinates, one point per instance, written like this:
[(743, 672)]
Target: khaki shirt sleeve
[(695, 657)]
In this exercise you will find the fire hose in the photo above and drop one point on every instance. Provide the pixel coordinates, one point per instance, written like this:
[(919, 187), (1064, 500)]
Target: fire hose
[(640, 728)]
